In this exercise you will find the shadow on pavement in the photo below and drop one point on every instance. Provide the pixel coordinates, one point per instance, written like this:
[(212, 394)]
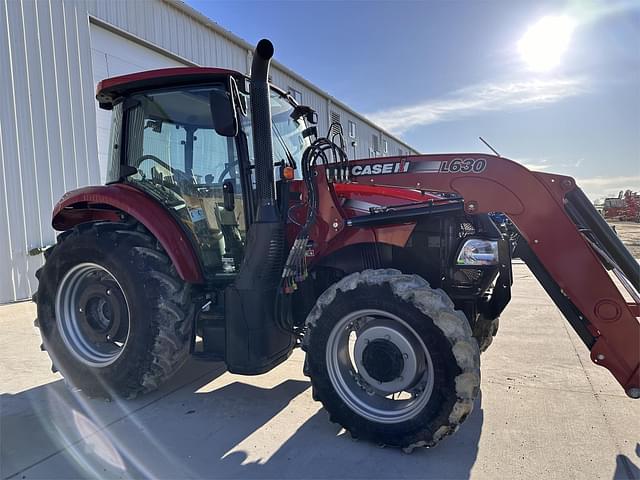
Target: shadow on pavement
[(625, 468), (186, 431), (319, 449)]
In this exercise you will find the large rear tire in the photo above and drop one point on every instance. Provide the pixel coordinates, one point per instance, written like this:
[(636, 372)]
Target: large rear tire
[(114, 316), (391, 360)]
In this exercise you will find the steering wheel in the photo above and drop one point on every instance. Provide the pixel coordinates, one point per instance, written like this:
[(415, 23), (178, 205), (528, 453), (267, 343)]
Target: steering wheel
[(177, 174), (162, 163), (223, 174)]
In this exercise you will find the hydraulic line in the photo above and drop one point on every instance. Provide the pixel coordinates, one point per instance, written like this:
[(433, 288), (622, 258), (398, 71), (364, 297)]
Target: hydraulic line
[(327, 153)]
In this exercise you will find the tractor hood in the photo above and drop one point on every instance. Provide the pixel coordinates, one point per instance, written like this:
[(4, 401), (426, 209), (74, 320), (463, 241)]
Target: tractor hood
[(357, 199)]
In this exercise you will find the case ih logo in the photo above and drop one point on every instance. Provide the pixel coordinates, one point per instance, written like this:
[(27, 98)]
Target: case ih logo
[(457, 165), (380, 168)]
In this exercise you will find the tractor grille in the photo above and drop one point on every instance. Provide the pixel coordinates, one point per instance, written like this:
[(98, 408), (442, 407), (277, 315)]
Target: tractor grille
[(467, 276), (466, 229), (370, 257)]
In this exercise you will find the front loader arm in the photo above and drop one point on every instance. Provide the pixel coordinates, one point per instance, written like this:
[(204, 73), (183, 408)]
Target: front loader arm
[(539, 204)]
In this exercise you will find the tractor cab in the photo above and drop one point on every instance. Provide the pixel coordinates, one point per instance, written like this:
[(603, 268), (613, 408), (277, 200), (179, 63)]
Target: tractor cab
[(184, 137)]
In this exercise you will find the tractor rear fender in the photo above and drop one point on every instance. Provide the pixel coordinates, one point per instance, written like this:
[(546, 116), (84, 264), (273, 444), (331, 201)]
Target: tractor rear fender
[(544, 207), (108, 202)]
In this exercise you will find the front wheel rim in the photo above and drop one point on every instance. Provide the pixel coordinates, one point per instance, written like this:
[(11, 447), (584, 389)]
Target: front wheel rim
[(92, 315), (371, 394)]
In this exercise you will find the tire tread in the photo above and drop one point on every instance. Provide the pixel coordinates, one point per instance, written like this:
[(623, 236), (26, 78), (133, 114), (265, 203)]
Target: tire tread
[(170, 302), (454, 325)]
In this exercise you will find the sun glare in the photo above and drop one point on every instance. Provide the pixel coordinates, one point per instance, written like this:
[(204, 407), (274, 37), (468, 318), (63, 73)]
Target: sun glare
[(545, 42)]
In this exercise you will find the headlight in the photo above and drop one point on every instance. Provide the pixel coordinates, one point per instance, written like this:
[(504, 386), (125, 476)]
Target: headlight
[(476, 251)]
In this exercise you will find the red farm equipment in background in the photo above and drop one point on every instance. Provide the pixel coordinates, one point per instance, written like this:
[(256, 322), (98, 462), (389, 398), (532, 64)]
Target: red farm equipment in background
[(625, 207)]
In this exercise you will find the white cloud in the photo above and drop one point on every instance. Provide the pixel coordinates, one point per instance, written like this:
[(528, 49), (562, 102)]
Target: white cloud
[(600, 187), (565, 167), (479, 98), (535, 164), (536, 167)]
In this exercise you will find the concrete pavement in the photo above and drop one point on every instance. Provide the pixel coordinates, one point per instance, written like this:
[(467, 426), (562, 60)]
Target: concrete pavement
[(545, 412)]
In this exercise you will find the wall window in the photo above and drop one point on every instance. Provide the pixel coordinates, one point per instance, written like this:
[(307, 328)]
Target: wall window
[(385, 146), (400, 152), (296, 94), (352, 129), (375, 145)]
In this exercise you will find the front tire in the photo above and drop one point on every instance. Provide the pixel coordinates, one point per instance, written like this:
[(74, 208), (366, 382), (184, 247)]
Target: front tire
[(391, 360), (484, 330), (114, 316)]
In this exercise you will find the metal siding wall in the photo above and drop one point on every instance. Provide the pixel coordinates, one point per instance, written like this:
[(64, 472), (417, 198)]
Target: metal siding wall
[(364, 133), (46, 120), (172, 30), (12, 221), (309, 97), (112, 55), (346, 117)]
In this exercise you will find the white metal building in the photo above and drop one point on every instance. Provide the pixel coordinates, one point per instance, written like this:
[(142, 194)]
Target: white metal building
[(52, 54)]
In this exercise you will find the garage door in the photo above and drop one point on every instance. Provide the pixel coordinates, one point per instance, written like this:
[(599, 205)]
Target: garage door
[(114, 55)]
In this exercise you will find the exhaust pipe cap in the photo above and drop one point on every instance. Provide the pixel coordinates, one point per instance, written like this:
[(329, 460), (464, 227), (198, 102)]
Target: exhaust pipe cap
[(265, 49)]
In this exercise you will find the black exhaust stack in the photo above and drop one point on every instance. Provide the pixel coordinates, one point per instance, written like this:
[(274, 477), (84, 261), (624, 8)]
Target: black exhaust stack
[(254, 342), (261, 122)]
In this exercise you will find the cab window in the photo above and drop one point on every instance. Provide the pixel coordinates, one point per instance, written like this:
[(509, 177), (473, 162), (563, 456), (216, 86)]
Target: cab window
[(183, 162), (287, 133)]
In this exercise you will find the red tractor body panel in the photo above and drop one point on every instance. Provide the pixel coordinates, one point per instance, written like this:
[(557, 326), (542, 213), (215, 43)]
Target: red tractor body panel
[(110, 89), (382, 195), (161, 73), (92, 204), (355, 199)]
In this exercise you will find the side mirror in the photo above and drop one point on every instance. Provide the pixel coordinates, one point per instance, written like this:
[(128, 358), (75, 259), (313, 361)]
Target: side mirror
[(223, 111), (308, 113)]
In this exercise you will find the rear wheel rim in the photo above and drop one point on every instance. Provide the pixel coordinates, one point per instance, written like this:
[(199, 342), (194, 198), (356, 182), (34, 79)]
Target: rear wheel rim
[(92, 315), (367, 388)]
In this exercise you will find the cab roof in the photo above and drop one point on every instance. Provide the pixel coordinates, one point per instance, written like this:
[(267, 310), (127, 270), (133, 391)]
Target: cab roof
[(108, 91)]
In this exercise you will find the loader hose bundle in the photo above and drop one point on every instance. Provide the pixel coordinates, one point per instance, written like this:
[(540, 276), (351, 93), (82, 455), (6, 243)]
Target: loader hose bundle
[(335, 160)]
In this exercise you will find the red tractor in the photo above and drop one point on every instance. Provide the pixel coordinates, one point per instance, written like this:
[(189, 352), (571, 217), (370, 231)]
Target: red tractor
[(625, 207), (228, 230)]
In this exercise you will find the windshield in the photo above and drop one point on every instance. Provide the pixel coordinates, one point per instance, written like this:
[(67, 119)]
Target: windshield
[(287, 133)]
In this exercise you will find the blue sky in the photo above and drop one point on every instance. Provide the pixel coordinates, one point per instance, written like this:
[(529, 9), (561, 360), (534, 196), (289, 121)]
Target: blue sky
[(439, 74)]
